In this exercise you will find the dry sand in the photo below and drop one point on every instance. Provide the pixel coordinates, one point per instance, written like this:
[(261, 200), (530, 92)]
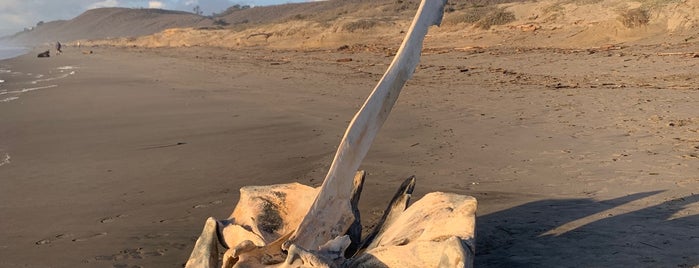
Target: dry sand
[(578, 158)]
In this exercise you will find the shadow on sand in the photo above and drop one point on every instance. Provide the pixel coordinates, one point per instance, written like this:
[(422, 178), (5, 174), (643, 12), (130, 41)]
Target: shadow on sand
[(589, 233)]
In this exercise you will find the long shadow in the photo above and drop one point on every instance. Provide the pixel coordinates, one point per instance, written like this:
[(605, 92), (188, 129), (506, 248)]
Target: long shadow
[(587, 233)]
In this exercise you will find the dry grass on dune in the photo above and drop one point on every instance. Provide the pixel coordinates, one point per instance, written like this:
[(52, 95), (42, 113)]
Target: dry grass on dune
[(330, 24)]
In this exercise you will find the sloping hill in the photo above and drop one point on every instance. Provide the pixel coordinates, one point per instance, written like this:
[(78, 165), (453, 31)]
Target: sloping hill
[(380, 23), (108, 23), (375, 24)]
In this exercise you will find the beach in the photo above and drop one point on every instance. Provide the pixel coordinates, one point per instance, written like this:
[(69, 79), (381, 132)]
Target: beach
[(578, 157)]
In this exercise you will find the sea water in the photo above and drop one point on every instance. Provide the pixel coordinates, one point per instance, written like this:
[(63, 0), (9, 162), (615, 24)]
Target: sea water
[(14, 84), (7, 52)]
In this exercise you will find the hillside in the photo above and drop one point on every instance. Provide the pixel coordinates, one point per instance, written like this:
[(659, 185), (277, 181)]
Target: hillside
[(374, 24), (108, 23)]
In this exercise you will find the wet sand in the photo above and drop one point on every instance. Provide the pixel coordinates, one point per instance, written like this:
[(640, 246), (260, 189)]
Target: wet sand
[(587, 155)]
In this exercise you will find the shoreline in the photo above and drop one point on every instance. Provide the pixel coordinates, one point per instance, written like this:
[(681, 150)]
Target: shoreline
[(570, 154), (12, 52), (20, 74)]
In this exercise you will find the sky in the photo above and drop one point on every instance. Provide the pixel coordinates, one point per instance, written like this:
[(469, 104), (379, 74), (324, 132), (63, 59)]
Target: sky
[(15, 15)]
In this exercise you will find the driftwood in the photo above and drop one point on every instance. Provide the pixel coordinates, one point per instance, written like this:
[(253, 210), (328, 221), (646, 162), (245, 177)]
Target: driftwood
[(266, 35), (292, 225)]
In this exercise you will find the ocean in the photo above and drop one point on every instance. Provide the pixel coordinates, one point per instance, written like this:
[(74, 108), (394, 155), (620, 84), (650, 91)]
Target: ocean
[(14, 84), (11, 52)]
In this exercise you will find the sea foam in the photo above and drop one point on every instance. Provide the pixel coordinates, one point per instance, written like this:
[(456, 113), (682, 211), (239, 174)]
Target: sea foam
[(39, 79)]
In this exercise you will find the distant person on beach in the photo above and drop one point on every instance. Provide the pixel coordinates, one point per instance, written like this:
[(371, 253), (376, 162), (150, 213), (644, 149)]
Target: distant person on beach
[(58, 48)]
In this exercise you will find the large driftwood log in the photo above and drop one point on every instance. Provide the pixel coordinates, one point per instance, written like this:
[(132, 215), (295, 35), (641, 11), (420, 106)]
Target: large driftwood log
[(331, 211), (292, 225)]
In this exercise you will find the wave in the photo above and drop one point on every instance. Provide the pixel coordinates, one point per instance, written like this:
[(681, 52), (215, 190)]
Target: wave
[(15, 92), (53, 78), (26, 90)]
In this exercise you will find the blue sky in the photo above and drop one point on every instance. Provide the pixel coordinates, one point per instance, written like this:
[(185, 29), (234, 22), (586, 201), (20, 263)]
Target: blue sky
[(15, 15)]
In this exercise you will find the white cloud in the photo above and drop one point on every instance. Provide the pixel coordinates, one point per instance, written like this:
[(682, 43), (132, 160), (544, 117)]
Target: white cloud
[(206, 6), (104, 3), (9, 5), (155, 4)]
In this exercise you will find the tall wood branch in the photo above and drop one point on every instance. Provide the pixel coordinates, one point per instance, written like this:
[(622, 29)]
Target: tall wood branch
[(331, 213)]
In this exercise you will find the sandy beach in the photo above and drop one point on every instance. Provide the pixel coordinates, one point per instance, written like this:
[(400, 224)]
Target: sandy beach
[(578, 157)]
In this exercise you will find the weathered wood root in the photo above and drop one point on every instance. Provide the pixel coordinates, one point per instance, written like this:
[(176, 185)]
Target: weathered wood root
[(437, 230), (398, 204)]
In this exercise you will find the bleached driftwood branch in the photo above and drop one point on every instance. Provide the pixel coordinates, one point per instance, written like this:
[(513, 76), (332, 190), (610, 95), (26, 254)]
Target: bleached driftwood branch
[(292, 225), (331, 210)]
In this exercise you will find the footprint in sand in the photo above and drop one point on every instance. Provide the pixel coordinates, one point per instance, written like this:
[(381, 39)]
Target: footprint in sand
[(179, 246), (212, 203), (88, 237), (182, 219), (130, 254), (156, 235), (125, 254), (156, 253), (691, 155), (52, 239), (111, 218), (121, 265), (150, 236)]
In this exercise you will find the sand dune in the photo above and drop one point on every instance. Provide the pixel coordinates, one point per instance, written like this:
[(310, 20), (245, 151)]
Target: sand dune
[(107, 23), (330, 24)]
